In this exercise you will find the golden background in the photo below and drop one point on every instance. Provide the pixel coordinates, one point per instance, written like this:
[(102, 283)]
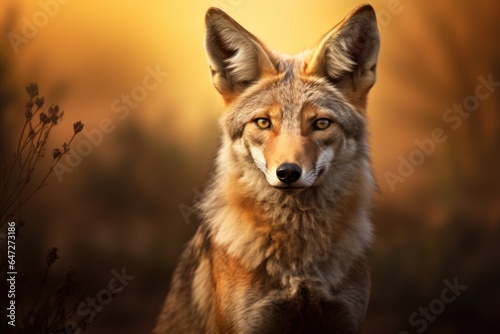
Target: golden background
[(128, 202)]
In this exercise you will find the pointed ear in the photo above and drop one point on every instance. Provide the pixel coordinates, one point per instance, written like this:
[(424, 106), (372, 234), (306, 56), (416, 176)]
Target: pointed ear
[(347, 55), (236, 57)]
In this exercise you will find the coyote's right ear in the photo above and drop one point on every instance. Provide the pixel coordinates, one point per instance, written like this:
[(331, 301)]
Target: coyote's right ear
[(236, 57)]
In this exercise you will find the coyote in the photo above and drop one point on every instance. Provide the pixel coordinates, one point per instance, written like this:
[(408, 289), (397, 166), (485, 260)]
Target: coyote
[(285, 232)]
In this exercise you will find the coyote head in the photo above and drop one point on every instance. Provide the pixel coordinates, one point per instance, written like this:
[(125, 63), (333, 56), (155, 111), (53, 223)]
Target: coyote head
[(296, 118)]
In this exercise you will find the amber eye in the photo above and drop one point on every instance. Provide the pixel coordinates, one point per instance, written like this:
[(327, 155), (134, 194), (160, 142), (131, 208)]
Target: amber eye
[(322, 123), (263, 123)]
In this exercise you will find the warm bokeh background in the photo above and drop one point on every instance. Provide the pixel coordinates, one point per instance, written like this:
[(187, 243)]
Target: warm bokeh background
[(127, 204)]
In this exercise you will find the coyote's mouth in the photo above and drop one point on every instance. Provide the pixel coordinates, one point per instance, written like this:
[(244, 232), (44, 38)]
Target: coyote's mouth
[(290, 189)]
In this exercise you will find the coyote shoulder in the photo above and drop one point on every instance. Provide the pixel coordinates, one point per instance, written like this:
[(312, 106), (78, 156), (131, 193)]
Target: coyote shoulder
[(285, 231)]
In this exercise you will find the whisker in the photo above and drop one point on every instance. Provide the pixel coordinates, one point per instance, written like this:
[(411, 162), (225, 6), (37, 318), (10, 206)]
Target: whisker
[(311, 172), (260, 165), (324, 163), (259, 162)]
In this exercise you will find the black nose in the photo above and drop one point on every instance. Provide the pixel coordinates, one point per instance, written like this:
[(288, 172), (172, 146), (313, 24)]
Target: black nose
[(288, 173)]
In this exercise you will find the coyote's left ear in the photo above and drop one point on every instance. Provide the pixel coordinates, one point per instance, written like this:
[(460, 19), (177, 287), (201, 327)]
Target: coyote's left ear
[(347, 55), (236, 57)]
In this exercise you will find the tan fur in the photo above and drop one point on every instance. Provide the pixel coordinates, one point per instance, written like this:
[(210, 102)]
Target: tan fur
[(276, 255)]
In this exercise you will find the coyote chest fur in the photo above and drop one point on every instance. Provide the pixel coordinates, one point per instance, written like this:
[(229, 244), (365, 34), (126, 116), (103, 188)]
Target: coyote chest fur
[(282, 246)]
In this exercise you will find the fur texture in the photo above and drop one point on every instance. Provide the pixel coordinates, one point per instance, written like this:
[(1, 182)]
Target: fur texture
[(274, 254)]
